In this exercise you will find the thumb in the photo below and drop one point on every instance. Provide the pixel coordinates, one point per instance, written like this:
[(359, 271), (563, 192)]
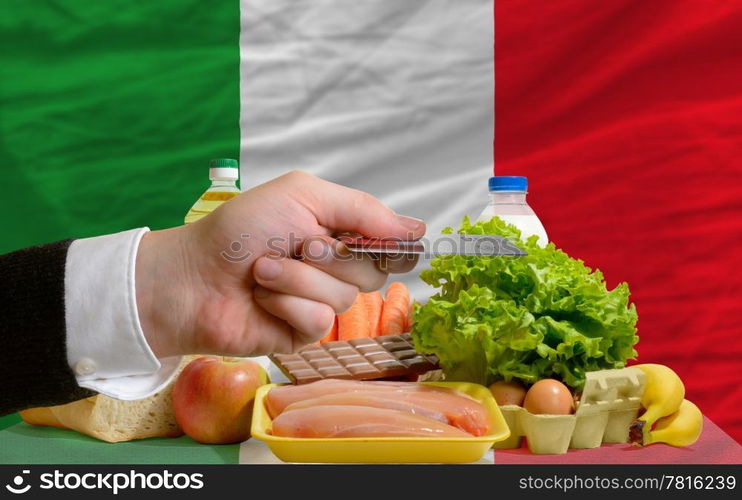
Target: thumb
[(340, 208)]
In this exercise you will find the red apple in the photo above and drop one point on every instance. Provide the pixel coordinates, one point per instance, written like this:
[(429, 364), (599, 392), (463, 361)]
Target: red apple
[(213, 398)]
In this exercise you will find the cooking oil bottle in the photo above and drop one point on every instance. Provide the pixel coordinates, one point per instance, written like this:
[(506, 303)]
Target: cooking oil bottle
[(223, 173)]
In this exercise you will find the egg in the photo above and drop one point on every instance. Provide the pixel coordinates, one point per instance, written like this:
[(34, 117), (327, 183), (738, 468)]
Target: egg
[(549, 397), (508, 393)]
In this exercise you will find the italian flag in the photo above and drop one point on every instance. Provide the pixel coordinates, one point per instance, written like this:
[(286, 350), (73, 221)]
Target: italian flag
[(623, 114)]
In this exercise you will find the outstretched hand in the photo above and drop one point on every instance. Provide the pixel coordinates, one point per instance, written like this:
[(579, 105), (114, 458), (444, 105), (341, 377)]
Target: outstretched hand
[(263, 272)]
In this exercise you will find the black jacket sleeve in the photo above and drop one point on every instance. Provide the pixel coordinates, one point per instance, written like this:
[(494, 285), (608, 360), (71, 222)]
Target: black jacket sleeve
[(33, 367)]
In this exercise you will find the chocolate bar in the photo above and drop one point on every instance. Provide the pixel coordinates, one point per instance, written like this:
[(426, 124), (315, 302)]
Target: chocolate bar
[(387, 356)]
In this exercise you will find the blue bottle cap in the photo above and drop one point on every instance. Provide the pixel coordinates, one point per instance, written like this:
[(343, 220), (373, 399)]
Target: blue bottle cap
[(508, 183)]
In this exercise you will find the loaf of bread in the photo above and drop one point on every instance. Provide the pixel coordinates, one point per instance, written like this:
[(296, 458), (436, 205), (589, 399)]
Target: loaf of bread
[(113, 420)]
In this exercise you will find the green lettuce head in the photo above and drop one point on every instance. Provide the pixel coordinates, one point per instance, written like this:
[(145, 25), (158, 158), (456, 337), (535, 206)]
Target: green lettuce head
[(546, 315)]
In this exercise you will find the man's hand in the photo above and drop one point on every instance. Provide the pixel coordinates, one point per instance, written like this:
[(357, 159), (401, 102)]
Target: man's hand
[(263, 273)]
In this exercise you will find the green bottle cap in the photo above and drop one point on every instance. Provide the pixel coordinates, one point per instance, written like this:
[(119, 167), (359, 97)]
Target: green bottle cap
[(223, 163)]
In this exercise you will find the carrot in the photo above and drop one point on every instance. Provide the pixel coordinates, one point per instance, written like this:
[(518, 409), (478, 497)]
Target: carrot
[(353, 323), (332, 334), (396, 309), (408, 318), (374, 305)]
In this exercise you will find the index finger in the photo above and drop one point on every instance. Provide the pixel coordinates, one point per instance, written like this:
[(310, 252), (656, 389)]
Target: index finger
[(341, 208)]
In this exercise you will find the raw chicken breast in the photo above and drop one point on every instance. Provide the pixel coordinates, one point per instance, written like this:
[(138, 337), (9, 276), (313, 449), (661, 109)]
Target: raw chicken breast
[(439, 403), (280, 397), (359, 421), (371, 399)]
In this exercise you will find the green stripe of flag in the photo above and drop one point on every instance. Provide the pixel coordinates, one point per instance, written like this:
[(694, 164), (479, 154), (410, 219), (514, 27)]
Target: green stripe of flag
[(110, 111)]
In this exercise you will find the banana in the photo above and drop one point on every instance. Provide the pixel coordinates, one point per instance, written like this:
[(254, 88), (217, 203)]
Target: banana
[(682, 428), (663, 394)]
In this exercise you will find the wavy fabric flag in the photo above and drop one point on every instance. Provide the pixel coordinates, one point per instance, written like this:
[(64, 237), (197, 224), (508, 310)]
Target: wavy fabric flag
[(623, 114)]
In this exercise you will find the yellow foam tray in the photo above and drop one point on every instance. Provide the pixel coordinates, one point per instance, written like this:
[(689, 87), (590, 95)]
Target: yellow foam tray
[(384, 449)]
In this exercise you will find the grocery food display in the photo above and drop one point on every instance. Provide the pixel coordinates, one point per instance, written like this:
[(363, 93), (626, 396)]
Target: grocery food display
[(676, 420), (544, 315), (113, 420), (388, 436), (508, 202), (549, 397), (532, 347), (223, 174), (372, 315), (387, 356), (437, 403), (213, 398), (680, 428), (608, 404)]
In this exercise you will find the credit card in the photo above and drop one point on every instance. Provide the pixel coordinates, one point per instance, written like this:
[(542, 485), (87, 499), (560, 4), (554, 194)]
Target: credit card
[(485, 245)]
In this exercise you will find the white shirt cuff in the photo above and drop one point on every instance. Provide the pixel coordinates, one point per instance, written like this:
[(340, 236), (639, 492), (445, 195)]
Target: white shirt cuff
[(106, 347)]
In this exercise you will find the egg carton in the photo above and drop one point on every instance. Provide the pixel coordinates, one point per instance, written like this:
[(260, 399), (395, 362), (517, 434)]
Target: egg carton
[(610, 402)]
